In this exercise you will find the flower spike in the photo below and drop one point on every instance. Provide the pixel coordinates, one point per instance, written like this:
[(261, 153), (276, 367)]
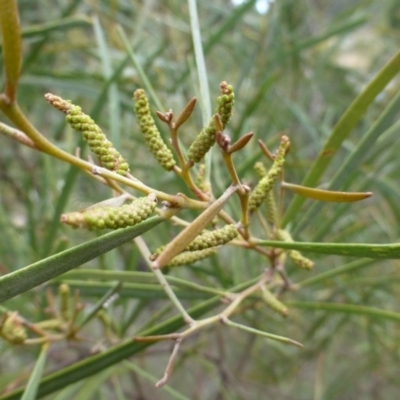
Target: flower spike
[(108, 156), (260, 192), (190, 257), (150, 132), (294, 255), (103, 217), (207, 137)]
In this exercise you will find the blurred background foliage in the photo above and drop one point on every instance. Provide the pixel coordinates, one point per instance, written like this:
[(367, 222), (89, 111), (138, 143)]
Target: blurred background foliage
[(295, 69)]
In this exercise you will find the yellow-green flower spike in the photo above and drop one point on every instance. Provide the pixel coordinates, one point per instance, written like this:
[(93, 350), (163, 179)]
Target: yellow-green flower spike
[(64, 293), (260, 169), (214, 238), (272, 212), (190, 257), (294, 255), (203, 142), (12, 329), (150, 132), (106, 321), (108, 156), (272, 302), (112, 217), (207, 137), (300, 260), (260, 192), (225, 103), (206, 240), (200, 177)]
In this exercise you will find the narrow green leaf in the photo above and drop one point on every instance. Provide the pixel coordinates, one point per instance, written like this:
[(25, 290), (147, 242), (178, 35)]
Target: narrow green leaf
[(222, 29), (93, 387), (202, 76), (339, 30), (136, 277), (36, 375), (326, 195), (35, 274), (144, 374), (391, 251), (113, 93), (342, 130), (344, 269), (147, 84), (12, 47), (132, 290), (56, 25), (200, 62), (115, 288), (347, 308), (381, 129), (254, 331)]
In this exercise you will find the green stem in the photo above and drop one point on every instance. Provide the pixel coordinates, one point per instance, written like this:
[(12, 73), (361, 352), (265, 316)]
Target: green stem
[(261, 333), (12, 47), (203, 79), (163, 281), (18, 118), (17, 135)]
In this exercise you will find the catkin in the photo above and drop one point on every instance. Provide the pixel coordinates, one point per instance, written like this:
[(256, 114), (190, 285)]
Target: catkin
[(214, 238), (151, 135), (207, 137), (225, 103), (64, 293), (272, 302), (272, 212), (206, 240), (260, 192), (108, 156), (294, 255), (190, 257), (112, 217)]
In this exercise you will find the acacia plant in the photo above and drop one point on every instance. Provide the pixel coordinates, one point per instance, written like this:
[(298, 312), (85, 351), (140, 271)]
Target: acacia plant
[(259, 225)]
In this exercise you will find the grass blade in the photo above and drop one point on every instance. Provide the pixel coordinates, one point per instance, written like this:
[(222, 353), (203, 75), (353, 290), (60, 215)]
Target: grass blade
[(33, 383)]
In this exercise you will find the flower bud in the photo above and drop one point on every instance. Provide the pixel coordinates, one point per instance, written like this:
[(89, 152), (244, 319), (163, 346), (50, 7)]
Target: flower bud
[(12, 329), (225, 103)]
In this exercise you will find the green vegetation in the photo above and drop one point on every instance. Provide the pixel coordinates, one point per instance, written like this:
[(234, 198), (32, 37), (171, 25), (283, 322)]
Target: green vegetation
[(231, 271)]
